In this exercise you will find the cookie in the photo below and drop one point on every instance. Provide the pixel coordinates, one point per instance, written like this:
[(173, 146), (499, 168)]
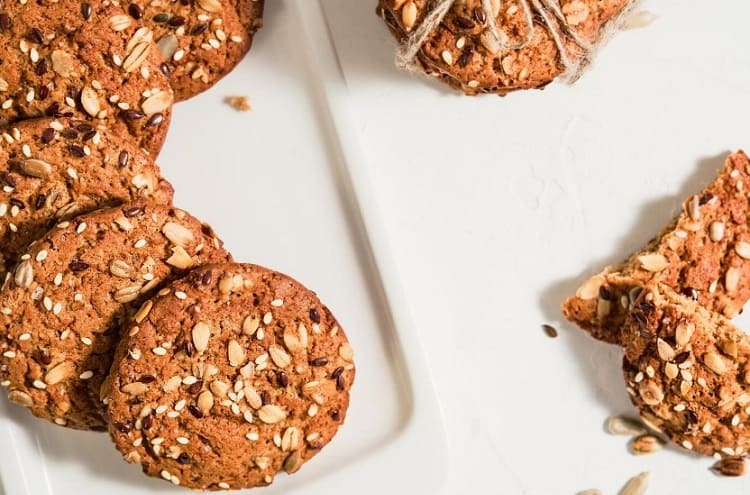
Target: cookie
[(688, 371), (200, 41), (251, 378), (523, 51), (702, 253), (86, 60), (61, 312), (53, 169)]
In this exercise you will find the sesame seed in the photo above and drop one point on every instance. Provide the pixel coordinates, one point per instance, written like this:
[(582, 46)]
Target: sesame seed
[(180, 295), (182, 440), (267, 318), (140, 243), (86, 340), (39, 384), (159, 351), (41, 255), (9, 354), (252, 436), (24, 336)]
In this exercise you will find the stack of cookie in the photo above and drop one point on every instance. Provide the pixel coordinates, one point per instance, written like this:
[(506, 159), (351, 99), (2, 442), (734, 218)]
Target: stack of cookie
[(687, 368), (119, 311)]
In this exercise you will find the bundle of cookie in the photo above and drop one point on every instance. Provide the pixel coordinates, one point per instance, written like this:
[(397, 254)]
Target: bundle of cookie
[(118, 311), (496, 46), (669, 305)]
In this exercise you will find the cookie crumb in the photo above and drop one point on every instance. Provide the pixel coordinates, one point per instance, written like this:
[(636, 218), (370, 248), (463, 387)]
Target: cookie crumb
[(239, 103), (550, 331), (729, 467)]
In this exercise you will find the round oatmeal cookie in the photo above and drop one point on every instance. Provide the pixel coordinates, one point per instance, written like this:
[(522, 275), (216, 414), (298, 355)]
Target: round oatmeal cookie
[(688, 371), (53, 169), (84, 59), (233, 374), (200, 41), (61, 311), (521, 52)]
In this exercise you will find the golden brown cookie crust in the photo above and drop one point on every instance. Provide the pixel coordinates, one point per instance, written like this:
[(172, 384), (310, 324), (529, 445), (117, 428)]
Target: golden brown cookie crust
[(235, 373), (61, 312), (199, 41), (688, 371), (83, 59), (54, 169), (702, 254)]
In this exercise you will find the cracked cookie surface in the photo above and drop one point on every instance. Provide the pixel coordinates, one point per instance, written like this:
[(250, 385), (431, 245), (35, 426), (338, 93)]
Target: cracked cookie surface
[(703, 254)]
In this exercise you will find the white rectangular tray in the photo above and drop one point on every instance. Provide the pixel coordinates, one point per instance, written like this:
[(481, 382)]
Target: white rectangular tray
[(286, 186)]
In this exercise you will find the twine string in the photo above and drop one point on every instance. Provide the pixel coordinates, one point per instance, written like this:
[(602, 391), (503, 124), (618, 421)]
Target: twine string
[(548, 10)]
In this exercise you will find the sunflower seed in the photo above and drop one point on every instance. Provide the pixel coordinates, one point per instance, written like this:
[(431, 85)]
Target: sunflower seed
[(250, 325), (620, 425), (58, 373), (158, 103), (716, 231), (20, 398), (213, 6), (36, 168), (636, 485), (684, 333), (409, 15), (235, 353), (666, 353), (177, 234), (730, 467), (732, 279), (205, 401), (180, 258), (742, 248), (24, 274), (271, 414), (201, 334), (279, 356), (219, 388), (646, 444), (135, 388), (653, 262), (90, 101), (715, 363)]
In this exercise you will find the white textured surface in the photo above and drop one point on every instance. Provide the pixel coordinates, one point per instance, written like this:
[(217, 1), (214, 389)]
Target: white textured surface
[(497, 208)]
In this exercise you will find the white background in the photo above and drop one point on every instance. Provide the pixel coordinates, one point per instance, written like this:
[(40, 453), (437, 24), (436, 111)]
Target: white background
[(497, 208)]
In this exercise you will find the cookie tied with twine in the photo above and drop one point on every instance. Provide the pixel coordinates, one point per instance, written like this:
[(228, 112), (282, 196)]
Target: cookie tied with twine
[(499, 46)]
